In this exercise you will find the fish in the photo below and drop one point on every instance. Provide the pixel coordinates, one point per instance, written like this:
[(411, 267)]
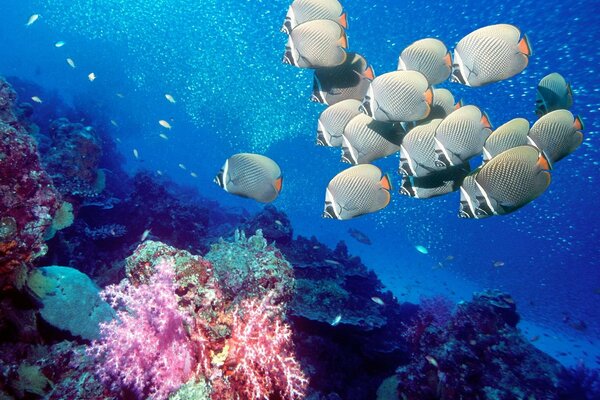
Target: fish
[(349, 80), (511, 134), (428, 56), (252, 176), (136, 154), (71, 62), (316, 44), (356, 191), (399, 96), (365, 139), (159, 172), (193, 174), (113, 122), (163, 136), (417, 150), (120, 95), (32, 19), (59, 44), (490, 54), (164, 124), (432, 361), (553, 93), (336, 320), (170, 98), (435, 184), (421, 249), (506, 183), (333, 120), (92, 76), (461, 136), (557, 133), (360, 237), (301, 11), (145, 235), (182, 166), (498, 264), (377, 300), (37, 99)]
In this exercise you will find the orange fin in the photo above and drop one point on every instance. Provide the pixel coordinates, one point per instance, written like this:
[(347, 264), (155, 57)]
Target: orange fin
[(485, 120), (578, 123), (343, 20), (458, 105), (429, 95), (369, 73), (525, 46), (544, 161), (448, 60), (343, 40), (279, 184), (385, 182)]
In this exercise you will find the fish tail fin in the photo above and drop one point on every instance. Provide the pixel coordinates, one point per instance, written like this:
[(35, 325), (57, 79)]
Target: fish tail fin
[(485, 120), (369, 73), (429, 95), (448, 60), (343, 20), (343, 40), (578, 123), (459, 104), (525, 46), (544, 161), (278, 184), (386, 183)]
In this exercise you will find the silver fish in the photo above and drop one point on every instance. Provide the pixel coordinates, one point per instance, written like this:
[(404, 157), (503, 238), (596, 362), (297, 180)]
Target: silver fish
[(553, 93), (506, 183), (316, 44), (490, 54), (557, 133), (356, 191), (334, 119), (349, 80), (428, 56), (301, 11), (366, 139), (251, 175), (511, 134)]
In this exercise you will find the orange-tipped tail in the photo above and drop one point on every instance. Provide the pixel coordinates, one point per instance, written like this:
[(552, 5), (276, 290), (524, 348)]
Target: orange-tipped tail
[(578, 123), (385, 182), (429, 96), (279, 184), (525, 46), (343, 21), (485, 120)]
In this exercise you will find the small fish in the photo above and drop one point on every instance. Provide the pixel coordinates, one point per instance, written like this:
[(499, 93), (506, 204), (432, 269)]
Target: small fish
[(336, 320), (349, 80), (163, 136), (251, 175), (421, 249), (490, 54), (449, 258), (461, 136), (557, 133), (360, 237), (170, 98), (120, 95), (332, 262), (114, 123), (399, 96), (498, 264), (145, 235), (59, 44), (92, 77), (183, 167), (366, 140), (193, 174), (377, 300), (506, 183), (432, 361), (32, 19), (159, 172), (358, 190), (316, 44), (333, 121), (428, 56), (36, 99), (301, 11), (71, 62), (136, 154), (164, 124), (553, 93), (511, 134)]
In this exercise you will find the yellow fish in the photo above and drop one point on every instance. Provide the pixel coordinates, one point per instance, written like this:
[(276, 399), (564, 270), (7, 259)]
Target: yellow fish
[(164, 124), (170, 98), (71, 62), (36, 99)]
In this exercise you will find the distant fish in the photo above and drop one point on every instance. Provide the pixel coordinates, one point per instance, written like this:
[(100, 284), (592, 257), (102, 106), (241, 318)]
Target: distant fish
[(136, 154), (59, 44), (71, 62), (114, 123), (557, 133), (251, 175), (193, 174), (333, 121), (159, 172), (120, 95), (498, 264), (163, 136), (170, 98), (36, 99), (316, 44), (349, 80), (428, 56), (553, 93), (164, 124), (377, 300), (92, 77), (183, 167), (360, 237), (301, 11), (356, 191), (145, 235), (490, 54), (32, 19), (336, 320), (421, 249), (432, 361)]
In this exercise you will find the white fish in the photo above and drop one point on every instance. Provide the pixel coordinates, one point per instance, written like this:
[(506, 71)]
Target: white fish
[(32, 19), (59, 44), (145, 235), (136, 154), (113, 122), (71, 62), (163, 136), (182, 167), (159, 172), (422, 249), (336, 320), (377, 300), (120, 95), (164, 124), (170, 98), (92, 77), (193, 174), (36, 99)]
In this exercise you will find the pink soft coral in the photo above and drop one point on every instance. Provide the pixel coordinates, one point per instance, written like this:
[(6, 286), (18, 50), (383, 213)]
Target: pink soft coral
[(146, 349)]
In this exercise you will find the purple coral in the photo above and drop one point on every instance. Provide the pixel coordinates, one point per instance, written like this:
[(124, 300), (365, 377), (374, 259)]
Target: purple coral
[(147, 349)]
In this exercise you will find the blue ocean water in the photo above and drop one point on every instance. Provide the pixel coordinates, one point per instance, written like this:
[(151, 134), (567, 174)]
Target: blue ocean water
[(221, 61)]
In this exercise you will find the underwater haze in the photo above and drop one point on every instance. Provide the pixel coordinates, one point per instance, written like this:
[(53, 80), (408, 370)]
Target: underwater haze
[(221, 61)]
